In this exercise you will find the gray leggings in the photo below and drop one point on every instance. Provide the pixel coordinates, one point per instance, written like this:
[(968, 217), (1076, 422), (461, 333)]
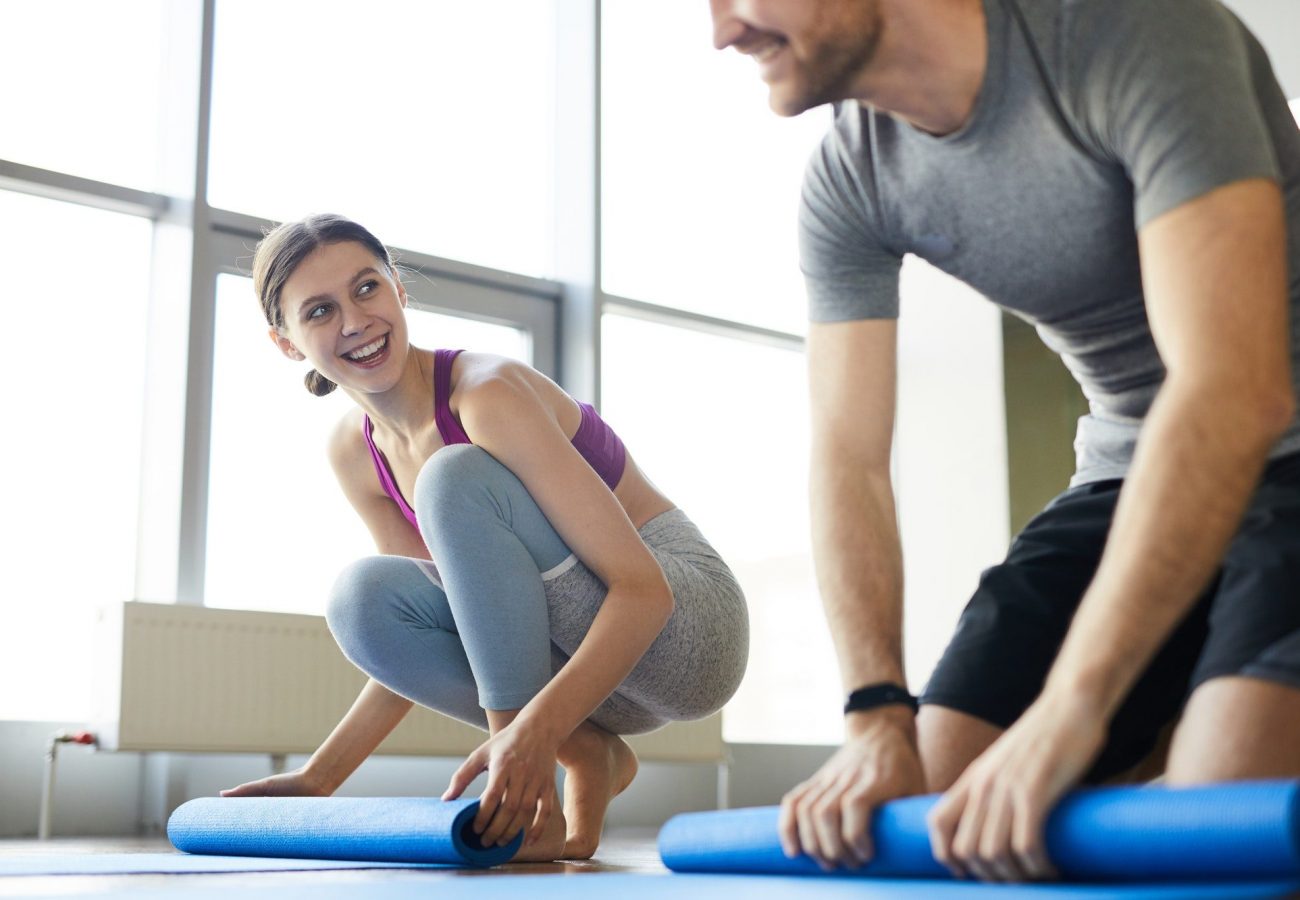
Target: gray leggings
[(509, 603)]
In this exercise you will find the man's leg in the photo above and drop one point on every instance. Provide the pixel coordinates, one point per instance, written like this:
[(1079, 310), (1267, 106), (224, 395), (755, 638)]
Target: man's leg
[(1243, 717), (1008, 638), (950, 741), (1237, 727)]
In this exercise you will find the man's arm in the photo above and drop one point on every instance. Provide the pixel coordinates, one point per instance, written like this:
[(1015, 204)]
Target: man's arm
[(852, 383), (852, 375), (1214, 276)]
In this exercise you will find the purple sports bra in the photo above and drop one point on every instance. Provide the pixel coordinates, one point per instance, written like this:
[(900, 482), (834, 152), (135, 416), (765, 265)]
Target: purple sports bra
[(596, 441)]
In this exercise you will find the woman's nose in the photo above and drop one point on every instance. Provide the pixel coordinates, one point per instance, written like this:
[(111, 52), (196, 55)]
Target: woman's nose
[(354, 320)]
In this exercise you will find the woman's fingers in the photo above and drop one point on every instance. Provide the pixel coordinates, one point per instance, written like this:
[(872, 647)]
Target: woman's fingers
[(468, 771), (243, 790), (545, 807), (512, 807)]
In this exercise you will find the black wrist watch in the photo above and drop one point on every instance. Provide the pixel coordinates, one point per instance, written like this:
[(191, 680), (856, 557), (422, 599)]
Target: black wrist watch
[(874, 695)]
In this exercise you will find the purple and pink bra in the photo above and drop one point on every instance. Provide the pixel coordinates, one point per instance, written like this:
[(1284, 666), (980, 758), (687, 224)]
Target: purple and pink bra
[(595, 440)]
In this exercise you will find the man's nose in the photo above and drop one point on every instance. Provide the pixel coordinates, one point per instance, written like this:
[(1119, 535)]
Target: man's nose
[(726, 27)]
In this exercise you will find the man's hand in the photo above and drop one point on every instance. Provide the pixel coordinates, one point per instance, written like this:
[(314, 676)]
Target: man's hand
[(829, 815), (990, 823)]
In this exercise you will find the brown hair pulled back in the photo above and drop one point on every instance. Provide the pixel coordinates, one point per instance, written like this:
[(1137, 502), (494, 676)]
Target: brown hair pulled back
[(284, 248)]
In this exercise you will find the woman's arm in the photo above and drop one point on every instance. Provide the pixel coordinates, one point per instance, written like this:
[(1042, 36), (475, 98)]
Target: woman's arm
[(507, 416), (355, 470), (373, 716), (377, 710)]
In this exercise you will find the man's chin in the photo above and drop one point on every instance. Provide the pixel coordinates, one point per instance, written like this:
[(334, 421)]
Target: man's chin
[(790, 103), (786, 102)]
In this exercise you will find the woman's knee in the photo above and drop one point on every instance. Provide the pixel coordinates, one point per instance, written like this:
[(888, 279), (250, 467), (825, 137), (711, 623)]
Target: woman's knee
[(454, 480), (362, 601)]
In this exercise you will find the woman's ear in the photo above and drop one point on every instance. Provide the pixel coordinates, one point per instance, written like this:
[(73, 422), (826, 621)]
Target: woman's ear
[(401, 290), (286, 346)]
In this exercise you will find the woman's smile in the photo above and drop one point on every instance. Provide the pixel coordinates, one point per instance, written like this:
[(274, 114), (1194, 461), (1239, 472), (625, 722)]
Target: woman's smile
[(371, 355)]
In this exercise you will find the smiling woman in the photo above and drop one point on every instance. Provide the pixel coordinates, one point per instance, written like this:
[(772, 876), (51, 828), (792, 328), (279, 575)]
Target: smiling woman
[(533, 582), (268, 561)]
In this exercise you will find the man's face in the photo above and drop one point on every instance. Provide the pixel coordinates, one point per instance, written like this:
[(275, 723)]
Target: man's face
[(809, 51)]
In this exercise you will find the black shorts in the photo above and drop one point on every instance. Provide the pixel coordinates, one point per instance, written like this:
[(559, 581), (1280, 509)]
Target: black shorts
[(1246, 623)]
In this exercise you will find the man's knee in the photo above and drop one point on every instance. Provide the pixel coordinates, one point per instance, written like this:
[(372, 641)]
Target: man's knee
[(949, 741), (1237, 727)]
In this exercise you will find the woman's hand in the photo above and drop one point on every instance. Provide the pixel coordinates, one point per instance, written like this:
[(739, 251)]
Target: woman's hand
[(300, 783), (520, 793), (990, 823)]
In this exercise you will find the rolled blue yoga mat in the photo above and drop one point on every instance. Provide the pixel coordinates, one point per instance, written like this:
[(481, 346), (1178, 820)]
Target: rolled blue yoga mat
[(371, 829), (1245, 830)]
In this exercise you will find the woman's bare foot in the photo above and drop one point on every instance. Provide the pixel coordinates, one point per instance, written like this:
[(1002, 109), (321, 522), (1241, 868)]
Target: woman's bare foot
[(550, 845), (598, 766)]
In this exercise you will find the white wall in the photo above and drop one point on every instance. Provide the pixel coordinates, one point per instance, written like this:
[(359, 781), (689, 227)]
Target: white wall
[(1277, 25), (126, 793)]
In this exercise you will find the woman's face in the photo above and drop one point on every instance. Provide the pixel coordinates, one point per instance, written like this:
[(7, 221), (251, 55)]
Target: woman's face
[(344, 312)]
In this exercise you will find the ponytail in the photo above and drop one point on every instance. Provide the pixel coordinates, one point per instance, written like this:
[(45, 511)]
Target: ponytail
[(318, 384)]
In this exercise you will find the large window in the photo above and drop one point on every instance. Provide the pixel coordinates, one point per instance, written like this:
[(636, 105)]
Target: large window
[(720, 425), (700, 195), (700, 180), (162, 441), (431, 123), (950, 454), (279, 528), (82, 88), (75, 295)]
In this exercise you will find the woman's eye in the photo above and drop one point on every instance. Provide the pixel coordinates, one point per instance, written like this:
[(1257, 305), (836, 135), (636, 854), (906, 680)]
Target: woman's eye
[(367, 287), (318, 311)]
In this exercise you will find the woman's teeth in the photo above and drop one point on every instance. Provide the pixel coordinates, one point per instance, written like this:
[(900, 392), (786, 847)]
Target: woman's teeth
[(369, 350)]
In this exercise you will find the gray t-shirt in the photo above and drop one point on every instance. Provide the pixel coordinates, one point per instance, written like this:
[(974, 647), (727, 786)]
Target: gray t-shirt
[(1095, 117)]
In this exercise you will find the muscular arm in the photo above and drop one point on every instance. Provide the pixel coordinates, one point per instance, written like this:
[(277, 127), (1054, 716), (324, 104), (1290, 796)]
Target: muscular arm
[(856, 551), (1214, 274), (859, 571)]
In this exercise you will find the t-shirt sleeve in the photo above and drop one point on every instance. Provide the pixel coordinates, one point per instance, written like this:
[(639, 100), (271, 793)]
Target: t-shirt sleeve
[(1166, 88), (849, 272)]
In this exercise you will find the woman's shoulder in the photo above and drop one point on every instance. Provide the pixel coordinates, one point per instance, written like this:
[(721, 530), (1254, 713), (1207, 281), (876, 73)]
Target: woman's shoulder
[(476, 375), (347, 448), (488, 381), (472, 369)]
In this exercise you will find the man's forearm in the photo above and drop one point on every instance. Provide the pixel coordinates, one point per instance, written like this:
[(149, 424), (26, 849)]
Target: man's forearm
[(1197, 466), (859, 570)]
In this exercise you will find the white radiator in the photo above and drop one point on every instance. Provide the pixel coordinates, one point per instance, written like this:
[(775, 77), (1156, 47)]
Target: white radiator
[(194, 679)]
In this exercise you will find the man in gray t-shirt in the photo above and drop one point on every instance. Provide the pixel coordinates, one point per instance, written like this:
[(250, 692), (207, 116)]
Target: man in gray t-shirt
[(1125, 175)]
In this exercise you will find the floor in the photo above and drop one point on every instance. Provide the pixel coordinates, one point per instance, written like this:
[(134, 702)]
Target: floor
[(623, 851)]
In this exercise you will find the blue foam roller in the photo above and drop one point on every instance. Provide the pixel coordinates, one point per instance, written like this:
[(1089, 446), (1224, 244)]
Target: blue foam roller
[(1245, 830), (370, 829)]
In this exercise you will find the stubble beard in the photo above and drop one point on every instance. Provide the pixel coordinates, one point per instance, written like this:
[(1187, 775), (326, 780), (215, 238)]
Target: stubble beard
[(833, 63)]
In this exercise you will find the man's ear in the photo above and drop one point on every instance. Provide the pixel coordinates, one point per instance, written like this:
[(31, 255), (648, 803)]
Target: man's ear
[(286, 346)]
